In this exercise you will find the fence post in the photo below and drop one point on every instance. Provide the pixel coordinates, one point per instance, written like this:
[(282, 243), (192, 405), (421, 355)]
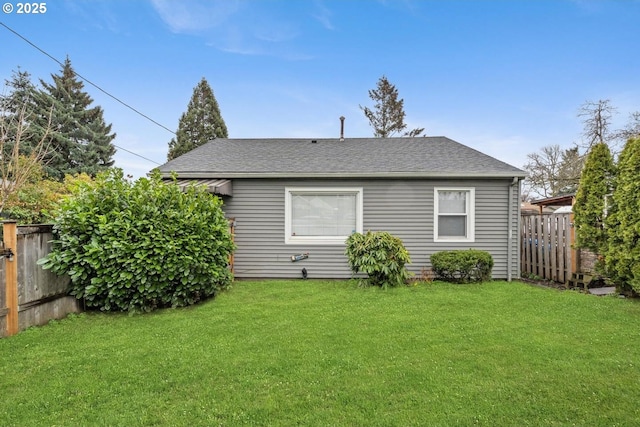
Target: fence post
[(10, 239)]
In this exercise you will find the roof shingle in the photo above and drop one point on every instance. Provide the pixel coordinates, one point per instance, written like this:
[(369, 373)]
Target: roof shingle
[(353, 157)]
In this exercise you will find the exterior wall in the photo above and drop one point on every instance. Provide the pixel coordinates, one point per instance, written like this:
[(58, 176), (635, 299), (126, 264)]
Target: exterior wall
[(402, 207)]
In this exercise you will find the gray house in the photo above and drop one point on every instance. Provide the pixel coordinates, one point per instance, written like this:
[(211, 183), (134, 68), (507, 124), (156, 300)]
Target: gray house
[(298, 196)]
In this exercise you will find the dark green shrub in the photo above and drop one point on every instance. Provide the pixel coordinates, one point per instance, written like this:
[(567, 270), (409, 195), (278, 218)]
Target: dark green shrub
[(141, 246), (622, 257), (379, 255), (594, 188), (462, 266)]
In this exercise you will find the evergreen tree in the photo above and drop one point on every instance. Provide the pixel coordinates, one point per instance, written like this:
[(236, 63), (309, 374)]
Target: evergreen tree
[(623, 233), (21, 91), (24, 106), (201, 123), (591, 199), (81, 141), (387, 116)]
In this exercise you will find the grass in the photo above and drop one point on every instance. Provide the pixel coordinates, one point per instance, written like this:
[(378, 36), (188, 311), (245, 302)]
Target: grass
[(322, 353)]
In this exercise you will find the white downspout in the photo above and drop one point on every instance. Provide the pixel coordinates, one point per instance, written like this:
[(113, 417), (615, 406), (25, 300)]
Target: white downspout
[(510, 228)]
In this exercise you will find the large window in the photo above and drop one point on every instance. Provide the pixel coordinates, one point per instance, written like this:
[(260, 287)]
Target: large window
[(322, 215), (454, 214)]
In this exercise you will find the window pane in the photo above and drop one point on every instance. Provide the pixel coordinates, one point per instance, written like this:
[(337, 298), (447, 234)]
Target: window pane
[(452, 226), (452, 201), (323, 214)]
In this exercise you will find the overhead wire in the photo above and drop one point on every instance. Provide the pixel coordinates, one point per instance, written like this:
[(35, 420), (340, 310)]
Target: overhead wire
[(97, 87)]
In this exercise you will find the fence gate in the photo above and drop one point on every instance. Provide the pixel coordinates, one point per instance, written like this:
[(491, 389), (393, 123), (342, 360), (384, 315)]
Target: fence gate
[(29, 295), (546, 246)]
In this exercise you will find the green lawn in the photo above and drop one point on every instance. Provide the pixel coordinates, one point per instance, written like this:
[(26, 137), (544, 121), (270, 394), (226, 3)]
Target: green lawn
[(325, 353)]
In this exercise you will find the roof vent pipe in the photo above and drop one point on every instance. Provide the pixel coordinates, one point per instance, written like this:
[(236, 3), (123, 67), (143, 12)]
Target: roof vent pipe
[(341, 128)]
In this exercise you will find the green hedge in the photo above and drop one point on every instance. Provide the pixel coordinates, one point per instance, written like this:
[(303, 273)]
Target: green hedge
[(141, 246), (462, 266)]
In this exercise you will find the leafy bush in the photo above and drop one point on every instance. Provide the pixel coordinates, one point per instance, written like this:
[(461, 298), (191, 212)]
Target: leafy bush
[(37, 199), (141, 246), (462, 266), (379, 255)]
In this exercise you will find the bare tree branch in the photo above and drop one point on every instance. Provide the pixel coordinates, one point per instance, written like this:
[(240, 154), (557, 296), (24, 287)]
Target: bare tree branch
[(17, 166)]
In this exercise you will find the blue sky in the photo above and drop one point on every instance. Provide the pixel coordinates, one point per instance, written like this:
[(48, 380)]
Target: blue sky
[(503, 77)]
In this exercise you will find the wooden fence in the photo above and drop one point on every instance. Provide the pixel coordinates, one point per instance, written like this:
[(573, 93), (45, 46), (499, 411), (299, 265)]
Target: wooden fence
[(546, 246), (30, 295)]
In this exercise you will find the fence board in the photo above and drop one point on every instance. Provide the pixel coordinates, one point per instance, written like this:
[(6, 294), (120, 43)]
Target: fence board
[(42, 295), (546, 246)]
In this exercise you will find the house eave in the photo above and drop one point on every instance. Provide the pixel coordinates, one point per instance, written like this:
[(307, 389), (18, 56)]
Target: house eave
[(410, 175)]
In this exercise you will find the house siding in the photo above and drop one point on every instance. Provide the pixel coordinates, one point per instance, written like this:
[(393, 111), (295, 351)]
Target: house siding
[(403, 207)]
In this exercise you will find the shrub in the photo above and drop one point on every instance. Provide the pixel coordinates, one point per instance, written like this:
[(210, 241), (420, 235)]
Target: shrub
[(36, 200), (141, 246), (379, 255), (589, 209), (622, 257), (462, 266)]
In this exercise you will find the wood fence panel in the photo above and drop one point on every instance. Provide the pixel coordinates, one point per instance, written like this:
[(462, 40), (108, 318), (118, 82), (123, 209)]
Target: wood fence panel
[(546, 246), (552, 246), (539, 271), (562, 242), (42, 295)]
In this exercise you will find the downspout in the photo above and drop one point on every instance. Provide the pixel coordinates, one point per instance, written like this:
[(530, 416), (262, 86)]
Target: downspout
[(510, 228)]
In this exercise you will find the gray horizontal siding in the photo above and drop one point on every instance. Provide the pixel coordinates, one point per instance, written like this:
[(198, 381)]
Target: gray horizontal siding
[(402, 207)]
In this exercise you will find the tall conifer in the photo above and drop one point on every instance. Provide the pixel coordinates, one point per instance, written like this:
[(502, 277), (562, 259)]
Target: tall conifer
[(81, 141), (594, 190), (201, 123), (25, 103), (387, 116), (623, 219)]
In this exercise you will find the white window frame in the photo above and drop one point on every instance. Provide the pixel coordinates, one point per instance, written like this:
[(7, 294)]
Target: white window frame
[(470, 210), (318, 240)]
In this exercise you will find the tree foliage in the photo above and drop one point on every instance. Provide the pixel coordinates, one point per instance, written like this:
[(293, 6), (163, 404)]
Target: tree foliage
[(26, 112), (201, 123), (387, 116), (37, 199), (21, 155), (142, 245), (81, 141), (623, 220), (555, 171), (596, 184)]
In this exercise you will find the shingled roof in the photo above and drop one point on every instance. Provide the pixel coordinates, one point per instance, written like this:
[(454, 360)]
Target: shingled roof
[(352, 157)]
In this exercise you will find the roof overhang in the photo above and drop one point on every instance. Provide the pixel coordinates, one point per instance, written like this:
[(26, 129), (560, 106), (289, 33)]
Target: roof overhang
[(202, 176), (221, 187), (564, 200)]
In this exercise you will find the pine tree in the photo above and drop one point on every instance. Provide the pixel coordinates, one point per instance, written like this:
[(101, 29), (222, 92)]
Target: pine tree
[(81, 140), (201, 123), (387, 116), (591, 199), (623, 234)]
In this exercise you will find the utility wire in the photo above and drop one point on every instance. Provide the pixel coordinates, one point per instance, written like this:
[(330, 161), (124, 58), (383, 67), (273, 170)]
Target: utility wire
[(97, 87)]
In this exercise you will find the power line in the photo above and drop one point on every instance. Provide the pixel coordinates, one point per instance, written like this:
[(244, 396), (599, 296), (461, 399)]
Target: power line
[(136, 154), (97, 87)]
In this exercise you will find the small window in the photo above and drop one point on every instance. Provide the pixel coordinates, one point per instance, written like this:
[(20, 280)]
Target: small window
[(454, 216), (322, 215)]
